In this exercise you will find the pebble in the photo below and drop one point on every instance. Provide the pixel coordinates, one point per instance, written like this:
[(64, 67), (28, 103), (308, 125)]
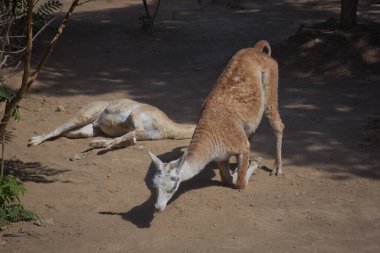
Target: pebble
[(60, 108), (75, 157), (49, 221), (38, 223)]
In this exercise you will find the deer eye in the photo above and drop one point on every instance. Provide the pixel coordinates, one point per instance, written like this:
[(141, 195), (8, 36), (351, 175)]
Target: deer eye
[(173, 178)]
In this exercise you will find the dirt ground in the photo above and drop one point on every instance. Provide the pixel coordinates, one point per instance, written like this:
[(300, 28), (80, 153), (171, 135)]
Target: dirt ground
[(327, 201)]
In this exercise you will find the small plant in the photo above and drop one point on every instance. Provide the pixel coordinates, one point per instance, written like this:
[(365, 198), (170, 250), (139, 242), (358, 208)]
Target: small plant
[(11, 209), (147, 21), (7, 96)]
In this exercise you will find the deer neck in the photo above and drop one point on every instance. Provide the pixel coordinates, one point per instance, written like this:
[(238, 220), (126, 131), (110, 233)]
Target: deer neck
[(197, 157)]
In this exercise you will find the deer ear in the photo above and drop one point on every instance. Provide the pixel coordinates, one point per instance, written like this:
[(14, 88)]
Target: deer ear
[(156, 161), (181, 161)]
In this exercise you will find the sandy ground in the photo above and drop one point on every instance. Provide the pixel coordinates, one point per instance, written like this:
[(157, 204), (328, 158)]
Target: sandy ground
[(327, 201)]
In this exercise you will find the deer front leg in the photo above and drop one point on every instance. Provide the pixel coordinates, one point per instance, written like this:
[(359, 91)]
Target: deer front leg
[(242, 166), (84, 117), (224, 171), (253, 165)]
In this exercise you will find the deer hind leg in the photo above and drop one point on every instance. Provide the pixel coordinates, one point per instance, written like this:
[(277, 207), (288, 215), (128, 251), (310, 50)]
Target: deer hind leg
[(273, 114), (128, 139), (86, 131), (278, 127), (85, 116)]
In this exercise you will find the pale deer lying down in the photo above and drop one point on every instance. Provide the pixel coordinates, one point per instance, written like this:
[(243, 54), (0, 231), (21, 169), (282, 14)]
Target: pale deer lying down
[(246, 89), (125, 121)]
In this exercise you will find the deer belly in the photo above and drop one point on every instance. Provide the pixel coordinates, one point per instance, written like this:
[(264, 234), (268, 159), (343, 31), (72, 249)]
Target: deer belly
[(151, 128), (252, 124), (113, 125), (114, 131), (250, 127)]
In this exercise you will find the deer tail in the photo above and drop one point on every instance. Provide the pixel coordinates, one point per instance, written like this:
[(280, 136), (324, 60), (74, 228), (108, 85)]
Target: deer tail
[(263, 46)]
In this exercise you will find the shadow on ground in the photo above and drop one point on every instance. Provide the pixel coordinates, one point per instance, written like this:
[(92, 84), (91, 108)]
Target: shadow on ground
[(142, 215), (177, 65), (31, 171), (334, 53)]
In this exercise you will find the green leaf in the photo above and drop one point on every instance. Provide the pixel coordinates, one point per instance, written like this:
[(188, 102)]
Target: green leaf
[(5, 94), (16, 114), (11, 209), (49, 7)]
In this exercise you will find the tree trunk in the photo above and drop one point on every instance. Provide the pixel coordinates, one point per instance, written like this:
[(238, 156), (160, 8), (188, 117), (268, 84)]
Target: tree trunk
[(11, 106), (348, 13)]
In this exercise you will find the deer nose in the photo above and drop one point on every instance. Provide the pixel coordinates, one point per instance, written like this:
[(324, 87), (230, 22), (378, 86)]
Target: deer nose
[(159, 208)]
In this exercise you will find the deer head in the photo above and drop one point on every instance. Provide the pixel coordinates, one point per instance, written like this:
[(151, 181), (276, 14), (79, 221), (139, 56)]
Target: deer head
[(166, 179)]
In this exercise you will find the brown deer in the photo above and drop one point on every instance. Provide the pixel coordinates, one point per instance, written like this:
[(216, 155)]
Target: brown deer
[(231, 113)]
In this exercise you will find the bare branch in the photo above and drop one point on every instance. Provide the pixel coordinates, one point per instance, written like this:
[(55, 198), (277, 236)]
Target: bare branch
[(156, 10), (4, 61), (4, 37), (52, 44), (35, 3), (85, 2), (35, 36)]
